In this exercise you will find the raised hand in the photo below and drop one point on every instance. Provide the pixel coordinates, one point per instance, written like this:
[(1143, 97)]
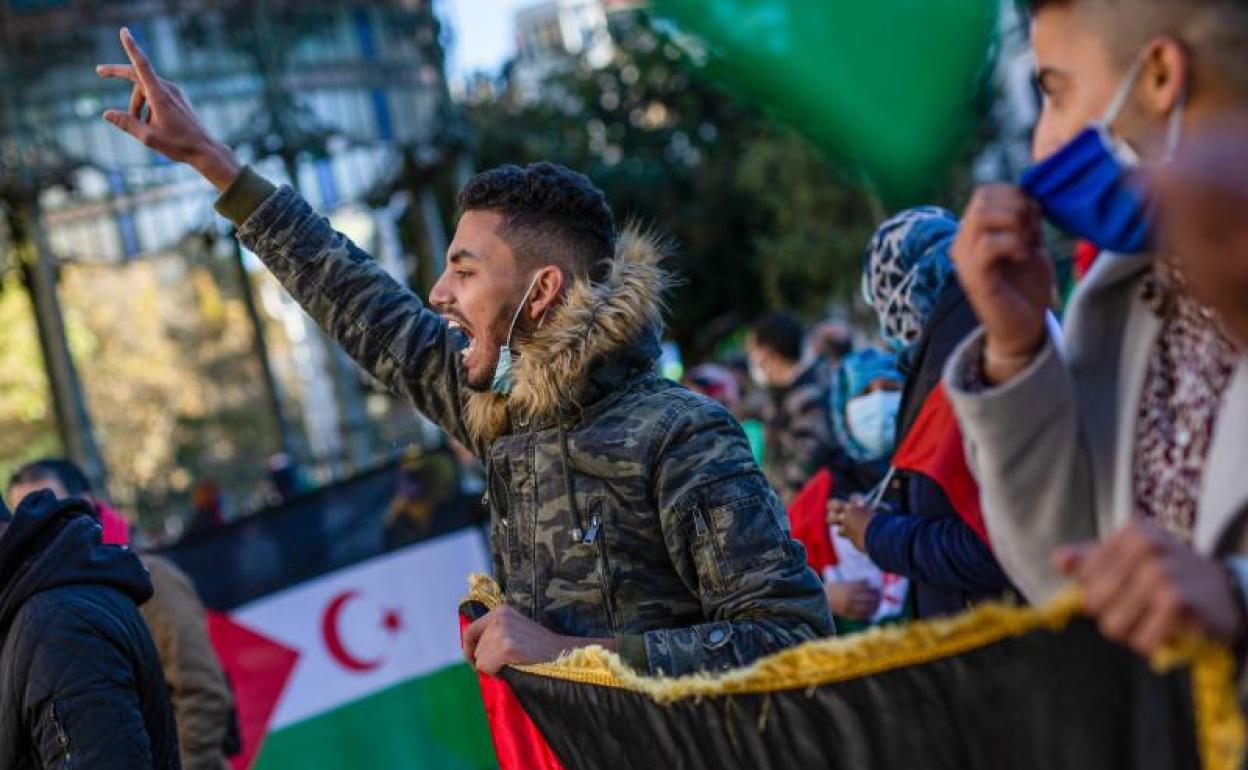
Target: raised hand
[(1007, 276), (170, 126)]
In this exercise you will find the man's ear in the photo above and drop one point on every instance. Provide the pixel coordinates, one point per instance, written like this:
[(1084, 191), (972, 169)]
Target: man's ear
[(547, 289), (1166, 76)]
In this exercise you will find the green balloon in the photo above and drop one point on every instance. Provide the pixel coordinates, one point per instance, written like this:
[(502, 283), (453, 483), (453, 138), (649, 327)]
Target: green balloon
[(891, 89)]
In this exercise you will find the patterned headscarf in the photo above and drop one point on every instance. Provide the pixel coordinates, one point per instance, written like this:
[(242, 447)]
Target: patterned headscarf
[(907, 267), (855, 373)]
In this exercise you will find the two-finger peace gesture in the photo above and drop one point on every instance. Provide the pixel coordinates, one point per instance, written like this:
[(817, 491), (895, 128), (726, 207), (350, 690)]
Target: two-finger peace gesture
[(169, 126)]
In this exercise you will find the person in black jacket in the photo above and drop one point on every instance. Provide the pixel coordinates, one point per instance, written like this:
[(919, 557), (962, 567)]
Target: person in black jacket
[(80, 682), (923, 315)]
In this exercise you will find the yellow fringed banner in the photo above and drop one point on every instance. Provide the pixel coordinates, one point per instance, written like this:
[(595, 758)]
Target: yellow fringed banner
[(895, 684)]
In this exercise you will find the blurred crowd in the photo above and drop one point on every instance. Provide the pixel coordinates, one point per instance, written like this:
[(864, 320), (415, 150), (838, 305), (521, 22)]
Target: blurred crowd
[(977, 442)]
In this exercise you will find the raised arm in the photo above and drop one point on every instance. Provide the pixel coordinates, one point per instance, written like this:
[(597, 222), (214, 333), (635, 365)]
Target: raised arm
[(382, 325)]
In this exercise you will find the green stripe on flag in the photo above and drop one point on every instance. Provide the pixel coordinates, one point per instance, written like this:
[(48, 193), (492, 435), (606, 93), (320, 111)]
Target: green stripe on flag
[(433, 722)]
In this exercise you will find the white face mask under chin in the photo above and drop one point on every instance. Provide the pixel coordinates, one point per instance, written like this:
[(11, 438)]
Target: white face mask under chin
[(504, 379)]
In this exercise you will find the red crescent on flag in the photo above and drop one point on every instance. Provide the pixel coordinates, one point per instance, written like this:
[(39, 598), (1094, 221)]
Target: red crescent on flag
[(333, 642)]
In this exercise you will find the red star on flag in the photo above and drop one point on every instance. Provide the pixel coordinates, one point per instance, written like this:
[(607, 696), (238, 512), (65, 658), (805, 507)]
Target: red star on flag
[(392, 621)]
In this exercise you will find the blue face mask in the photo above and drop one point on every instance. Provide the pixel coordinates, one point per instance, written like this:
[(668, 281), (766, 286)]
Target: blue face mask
[(1095, 188), (872, 421), (504, 379)]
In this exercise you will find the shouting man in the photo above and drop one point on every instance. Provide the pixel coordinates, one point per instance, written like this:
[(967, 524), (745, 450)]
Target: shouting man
[(626, 511)]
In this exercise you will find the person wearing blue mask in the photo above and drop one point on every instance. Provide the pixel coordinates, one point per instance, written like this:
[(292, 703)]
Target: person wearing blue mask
[(908, 279), (1129, 439)]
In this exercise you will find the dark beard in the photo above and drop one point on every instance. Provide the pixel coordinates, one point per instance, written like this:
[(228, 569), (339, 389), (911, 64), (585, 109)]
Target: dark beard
[(497, 330)]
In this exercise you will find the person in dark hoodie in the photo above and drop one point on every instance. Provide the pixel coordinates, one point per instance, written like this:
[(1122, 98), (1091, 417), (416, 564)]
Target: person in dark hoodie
[(80, 681), (203, 704)]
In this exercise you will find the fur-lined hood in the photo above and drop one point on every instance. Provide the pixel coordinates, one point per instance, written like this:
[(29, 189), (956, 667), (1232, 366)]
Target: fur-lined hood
[(620, 318)]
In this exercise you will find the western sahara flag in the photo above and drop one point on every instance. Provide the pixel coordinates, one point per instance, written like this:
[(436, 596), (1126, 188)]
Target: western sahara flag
[(995, 688), (341, 646)]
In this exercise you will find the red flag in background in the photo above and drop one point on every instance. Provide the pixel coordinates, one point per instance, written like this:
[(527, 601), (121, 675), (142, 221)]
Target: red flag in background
[(517, 741), (934, 448), (808, 516)]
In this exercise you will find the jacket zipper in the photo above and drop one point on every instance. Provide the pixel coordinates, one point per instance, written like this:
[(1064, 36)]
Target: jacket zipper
[(604, 566), (62, 737)]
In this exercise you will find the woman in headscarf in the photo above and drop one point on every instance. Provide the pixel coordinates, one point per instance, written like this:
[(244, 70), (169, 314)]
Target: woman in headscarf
[(923, 315), (864, 397)]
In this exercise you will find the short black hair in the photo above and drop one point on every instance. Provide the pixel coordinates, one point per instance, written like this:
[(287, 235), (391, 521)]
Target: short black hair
[(1216, 30), (59, 469), (551, 215), (781, 333)]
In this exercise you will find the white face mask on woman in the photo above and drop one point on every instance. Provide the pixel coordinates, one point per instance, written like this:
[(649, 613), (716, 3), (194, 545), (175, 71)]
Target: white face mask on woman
[(872, 421)]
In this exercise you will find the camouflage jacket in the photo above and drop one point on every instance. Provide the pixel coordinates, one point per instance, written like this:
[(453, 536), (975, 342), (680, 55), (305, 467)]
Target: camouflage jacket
[(622, 505), (799, 432)]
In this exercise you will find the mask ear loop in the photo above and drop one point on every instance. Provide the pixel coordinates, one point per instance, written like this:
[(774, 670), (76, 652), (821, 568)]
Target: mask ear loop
[(520, 309), (1119, 102), (1174, 131), (1174, 127)]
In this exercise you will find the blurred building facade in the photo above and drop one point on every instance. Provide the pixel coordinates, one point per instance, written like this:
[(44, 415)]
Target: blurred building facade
[(553, 33), (327, 96)]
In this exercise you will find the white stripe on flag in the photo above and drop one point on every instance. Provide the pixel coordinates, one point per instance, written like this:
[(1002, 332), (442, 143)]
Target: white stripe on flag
[(395, 620)]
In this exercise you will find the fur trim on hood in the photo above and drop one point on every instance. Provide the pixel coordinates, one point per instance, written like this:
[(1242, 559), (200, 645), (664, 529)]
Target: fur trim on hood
[(595, 322)]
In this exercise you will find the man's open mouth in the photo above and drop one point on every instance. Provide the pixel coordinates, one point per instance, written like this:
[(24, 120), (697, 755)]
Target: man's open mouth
[(455, 323)]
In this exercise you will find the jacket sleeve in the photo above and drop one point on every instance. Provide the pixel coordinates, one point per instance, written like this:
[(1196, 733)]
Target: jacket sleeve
[(379, 323), (198, 691), (936, 547), (1025, 447), (82, 701), (729, 538)]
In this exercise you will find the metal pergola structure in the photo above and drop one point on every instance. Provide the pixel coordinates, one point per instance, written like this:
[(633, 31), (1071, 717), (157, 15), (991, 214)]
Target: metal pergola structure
[(335, 92)]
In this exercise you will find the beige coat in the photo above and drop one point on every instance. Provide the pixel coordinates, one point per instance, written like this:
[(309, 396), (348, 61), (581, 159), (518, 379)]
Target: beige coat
[(202, 703), (1054, 448)]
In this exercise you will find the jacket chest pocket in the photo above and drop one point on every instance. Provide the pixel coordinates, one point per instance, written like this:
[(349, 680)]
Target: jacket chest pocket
[(734, 538)]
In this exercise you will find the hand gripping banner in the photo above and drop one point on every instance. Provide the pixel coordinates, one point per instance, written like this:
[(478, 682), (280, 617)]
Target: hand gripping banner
[(998, 687)]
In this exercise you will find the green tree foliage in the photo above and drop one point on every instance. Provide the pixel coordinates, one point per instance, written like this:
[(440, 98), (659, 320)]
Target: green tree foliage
[(27, 424), (758, 220), (164, 351)]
